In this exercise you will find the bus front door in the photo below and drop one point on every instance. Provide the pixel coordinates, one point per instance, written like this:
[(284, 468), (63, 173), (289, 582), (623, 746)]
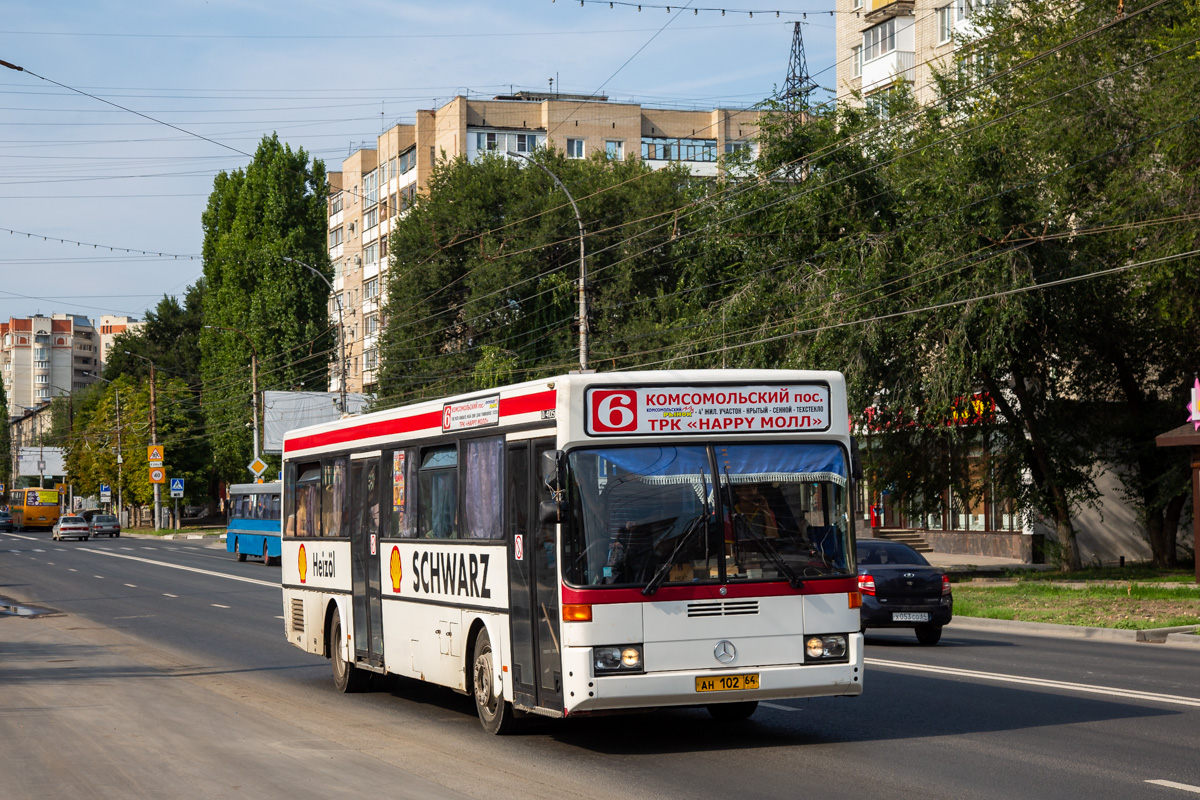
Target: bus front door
[(364, 566), (533, 580)]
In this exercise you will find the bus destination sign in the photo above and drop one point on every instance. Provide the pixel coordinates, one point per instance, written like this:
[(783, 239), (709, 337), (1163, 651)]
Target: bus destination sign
[(478, 413), (706, 409)]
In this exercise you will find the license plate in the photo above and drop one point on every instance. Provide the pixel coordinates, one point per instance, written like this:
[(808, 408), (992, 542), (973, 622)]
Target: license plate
[(910, 616), (727, 683)]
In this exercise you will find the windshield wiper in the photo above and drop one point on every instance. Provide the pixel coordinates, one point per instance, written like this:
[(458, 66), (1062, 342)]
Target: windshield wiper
[(793, 579), (656, 581)]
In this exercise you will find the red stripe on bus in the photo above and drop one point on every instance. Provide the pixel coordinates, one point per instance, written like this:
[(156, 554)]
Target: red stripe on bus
[(509, 406), (389, 427), (528, 403), (708, 591)]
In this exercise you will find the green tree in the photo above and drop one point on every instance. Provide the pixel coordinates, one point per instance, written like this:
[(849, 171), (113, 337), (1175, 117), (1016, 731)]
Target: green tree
[(273, 209)]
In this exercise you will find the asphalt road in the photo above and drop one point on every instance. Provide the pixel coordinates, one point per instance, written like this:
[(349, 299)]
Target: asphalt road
[(166, 675)]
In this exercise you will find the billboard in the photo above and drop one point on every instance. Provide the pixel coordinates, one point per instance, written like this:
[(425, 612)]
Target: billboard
[(286, 411), (53, 459)]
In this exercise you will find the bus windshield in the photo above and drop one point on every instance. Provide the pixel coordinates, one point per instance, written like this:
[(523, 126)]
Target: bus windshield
[(651, 515)]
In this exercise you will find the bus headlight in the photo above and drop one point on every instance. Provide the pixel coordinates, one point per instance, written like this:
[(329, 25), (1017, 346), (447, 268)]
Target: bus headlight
[(825, 648), (613, 659)]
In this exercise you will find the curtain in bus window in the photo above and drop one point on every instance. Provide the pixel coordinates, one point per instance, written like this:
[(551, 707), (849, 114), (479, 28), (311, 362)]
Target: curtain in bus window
[(308, 502), (438, 493), (403, 467), (783, 462), (333, 486), (481, 498), (274, 512)]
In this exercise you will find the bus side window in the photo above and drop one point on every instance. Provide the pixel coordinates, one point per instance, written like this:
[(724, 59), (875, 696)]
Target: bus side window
[(334, 488), (308, 501), (274, 511), (404, 475), (482, 488), (437, 489)]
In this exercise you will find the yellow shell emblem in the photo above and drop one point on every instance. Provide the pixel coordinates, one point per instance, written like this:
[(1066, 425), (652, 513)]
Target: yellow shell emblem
[(396, 570), (303, 564)]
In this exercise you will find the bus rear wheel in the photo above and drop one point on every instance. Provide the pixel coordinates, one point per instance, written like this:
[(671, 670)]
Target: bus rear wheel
[(266, 556), (495, 714), (347, 678), (237, 550)]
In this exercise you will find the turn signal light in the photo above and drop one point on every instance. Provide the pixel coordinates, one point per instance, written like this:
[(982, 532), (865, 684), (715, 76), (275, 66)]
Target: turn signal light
[(866, 584), (945, 585), (856, 600), (577, 612)]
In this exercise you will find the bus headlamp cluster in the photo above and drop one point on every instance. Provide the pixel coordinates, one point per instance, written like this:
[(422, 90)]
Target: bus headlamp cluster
[(825, 648), (617, 659)]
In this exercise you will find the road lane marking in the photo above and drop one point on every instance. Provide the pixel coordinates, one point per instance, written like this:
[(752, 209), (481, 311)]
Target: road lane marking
[(182, 567), (148, 548), (170, 595), (218, 605), (72, 569), (775, 706), (131, 585), (128, 548), (101, 577), (19, 536), (1112, 691), (1173, 785), (36, 550)]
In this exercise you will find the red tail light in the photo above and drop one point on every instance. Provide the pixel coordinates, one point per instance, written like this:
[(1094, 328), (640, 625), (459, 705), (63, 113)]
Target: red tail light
[(945, 584), (866, 584)]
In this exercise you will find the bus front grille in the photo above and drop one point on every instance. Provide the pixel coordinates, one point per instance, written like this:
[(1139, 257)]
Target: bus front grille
[(726, 608)]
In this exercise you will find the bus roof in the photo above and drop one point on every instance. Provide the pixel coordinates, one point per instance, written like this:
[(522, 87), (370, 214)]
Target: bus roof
[(255, 488), (532, 402)]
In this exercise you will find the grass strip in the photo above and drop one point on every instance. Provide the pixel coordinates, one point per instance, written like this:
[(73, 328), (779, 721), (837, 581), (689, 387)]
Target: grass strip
[(1131, 606)]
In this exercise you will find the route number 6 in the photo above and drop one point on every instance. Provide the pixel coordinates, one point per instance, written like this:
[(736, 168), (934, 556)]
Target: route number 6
[(614, 411)]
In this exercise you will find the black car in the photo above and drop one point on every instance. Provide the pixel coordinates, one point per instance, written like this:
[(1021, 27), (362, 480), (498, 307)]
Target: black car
[(901, 589)]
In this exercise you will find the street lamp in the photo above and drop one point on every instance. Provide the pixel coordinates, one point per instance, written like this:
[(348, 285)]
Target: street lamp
[(120, 455), (153, 439), (583, 313), (253, 375), (341, 326)]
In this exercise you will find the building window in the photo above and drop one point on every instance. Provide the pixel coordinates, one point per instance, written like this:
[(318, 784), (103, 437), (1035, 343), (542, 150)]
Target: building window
[(736, 147), (41, 365), (408, 160), (371, 253), (615, 150), (370, 188), (574, 148), (526, 142), (371, 217), (372, 323), (335, 205), (486, 141), (945, 19), (41, 379), (659, 148), (371, 289), (383, 244), (43, 393), (856, 61), (371, 359), (879, 40), (392, 167), (858, 4), (335, 236)]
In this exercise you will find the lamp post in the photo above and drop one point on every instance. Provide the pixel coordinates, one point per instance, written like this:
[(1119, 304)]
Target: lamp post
[(120, 455), (253, 375), (153, 439), (341, 326), (583, 313)]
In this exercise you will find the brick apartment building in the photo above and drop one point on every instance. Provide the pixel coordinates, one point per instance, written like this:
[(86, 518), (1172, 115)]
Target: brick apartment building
[(377, 184), (43, 357)]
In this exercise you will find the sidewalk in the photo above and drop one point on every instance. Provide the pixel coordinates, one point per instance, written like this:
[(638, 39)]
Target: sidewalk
[(959, 562)]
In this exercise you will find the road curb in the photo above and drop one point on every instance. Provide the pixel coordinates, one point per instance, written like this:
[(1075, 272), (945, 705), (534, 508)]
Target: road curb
[(1169, 636)]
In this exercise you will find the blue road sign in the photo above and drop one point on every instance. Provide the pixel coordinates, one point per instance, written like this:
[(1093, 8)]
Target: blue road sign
[(176, 487), (105, 489)]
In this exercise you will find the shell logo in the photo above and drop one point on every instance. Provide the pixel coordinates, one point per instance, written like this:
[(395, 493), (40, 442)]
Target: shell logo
[(397, 571), (303, 564)]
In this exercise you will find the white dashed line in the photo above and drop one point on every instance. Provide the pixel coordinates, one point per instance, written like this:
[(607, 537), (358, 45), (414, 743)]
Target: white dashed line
[(170, 595), (1183, 787), (217, 605), (36, 550), (101, 577), (72, 569), (279, 618), (147, 548), (131, 585), (775, 706)]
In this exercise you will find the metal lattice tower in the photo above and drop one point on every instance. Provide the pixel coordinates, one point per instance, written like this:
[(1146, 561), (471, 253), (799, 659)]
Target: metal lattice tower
[(799, 83)]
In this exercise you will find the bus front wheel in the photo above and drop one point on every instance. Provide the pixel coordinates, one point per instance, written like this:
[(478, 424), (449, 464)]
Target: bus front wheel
[(347, 678), (496, 715)]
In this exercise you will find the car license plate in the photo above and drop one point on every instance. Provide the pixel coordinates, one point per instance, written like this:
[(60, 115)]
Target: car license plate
[(727, 683), (910, 616)]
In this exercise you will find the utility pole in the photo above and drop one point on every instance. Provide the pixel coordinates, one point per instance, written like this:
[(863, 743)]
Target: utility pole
[(154, 441)]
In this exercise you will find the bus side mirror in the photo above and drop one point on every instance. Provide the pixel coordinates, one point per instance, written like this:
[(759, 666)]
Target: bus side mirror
[(549, 512), (553, 467), (856, 470)]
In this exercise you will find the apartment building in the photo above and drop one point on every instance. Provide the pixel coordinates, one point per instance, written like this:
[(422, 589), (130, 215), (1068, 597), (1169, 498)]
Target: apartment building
[(881, 42), (378, 184), (110, 326), (42, 357)]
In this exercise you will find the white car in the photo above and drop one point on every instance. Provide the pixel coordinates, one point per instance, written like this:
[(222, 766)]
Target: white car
[(72, 528)]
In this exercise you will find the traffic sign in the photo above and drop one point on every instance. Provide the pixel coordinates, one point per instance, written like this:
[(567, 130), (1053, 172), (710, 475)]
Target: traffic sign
[(257, 466), (154, 454), (105, 493), (158, 475), (176, 487), (1, 488)]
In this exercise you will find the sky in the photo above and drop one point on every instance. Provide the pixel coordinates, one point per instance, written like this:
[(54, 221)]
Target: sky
[(125, 193)]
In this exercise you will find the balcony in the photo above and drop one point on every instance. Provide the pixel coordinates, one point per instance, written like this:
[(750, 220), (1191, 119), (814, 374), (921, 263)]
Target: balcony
[(879, 10), (888, 69)]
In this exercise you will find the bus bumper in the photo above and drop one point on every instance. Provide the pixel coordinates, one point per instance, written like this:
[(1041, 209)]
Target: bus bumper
[(678, 688)]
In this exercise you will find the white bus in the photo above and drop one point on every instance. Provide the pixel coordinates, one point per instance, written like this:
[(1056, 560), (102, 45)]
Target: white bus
[(586, 543)]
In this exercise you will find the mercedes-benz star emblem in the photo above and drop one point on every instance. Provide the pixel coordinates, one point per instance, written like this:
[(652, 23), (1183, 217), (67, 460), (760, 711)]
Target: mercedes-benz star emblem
[(725, 652)]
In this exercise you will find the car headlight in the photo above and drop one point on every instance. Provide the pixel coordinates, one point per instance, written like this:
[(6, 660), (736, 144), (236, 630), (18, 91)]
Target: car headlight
[(614, 659), (828, 647)]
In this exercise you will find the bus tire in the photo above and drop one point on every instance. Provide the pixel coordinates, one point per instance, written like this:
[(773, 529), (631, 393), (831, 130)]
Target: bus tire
[(495, 714), (347, 678), (733, 712), (237, 550), (929, 635), (266, 556)]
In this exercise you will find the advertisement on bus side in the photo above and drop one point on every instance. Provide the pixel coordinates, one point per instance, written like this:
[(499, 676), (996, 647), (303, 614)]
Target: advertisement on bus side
[(467, 575)]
